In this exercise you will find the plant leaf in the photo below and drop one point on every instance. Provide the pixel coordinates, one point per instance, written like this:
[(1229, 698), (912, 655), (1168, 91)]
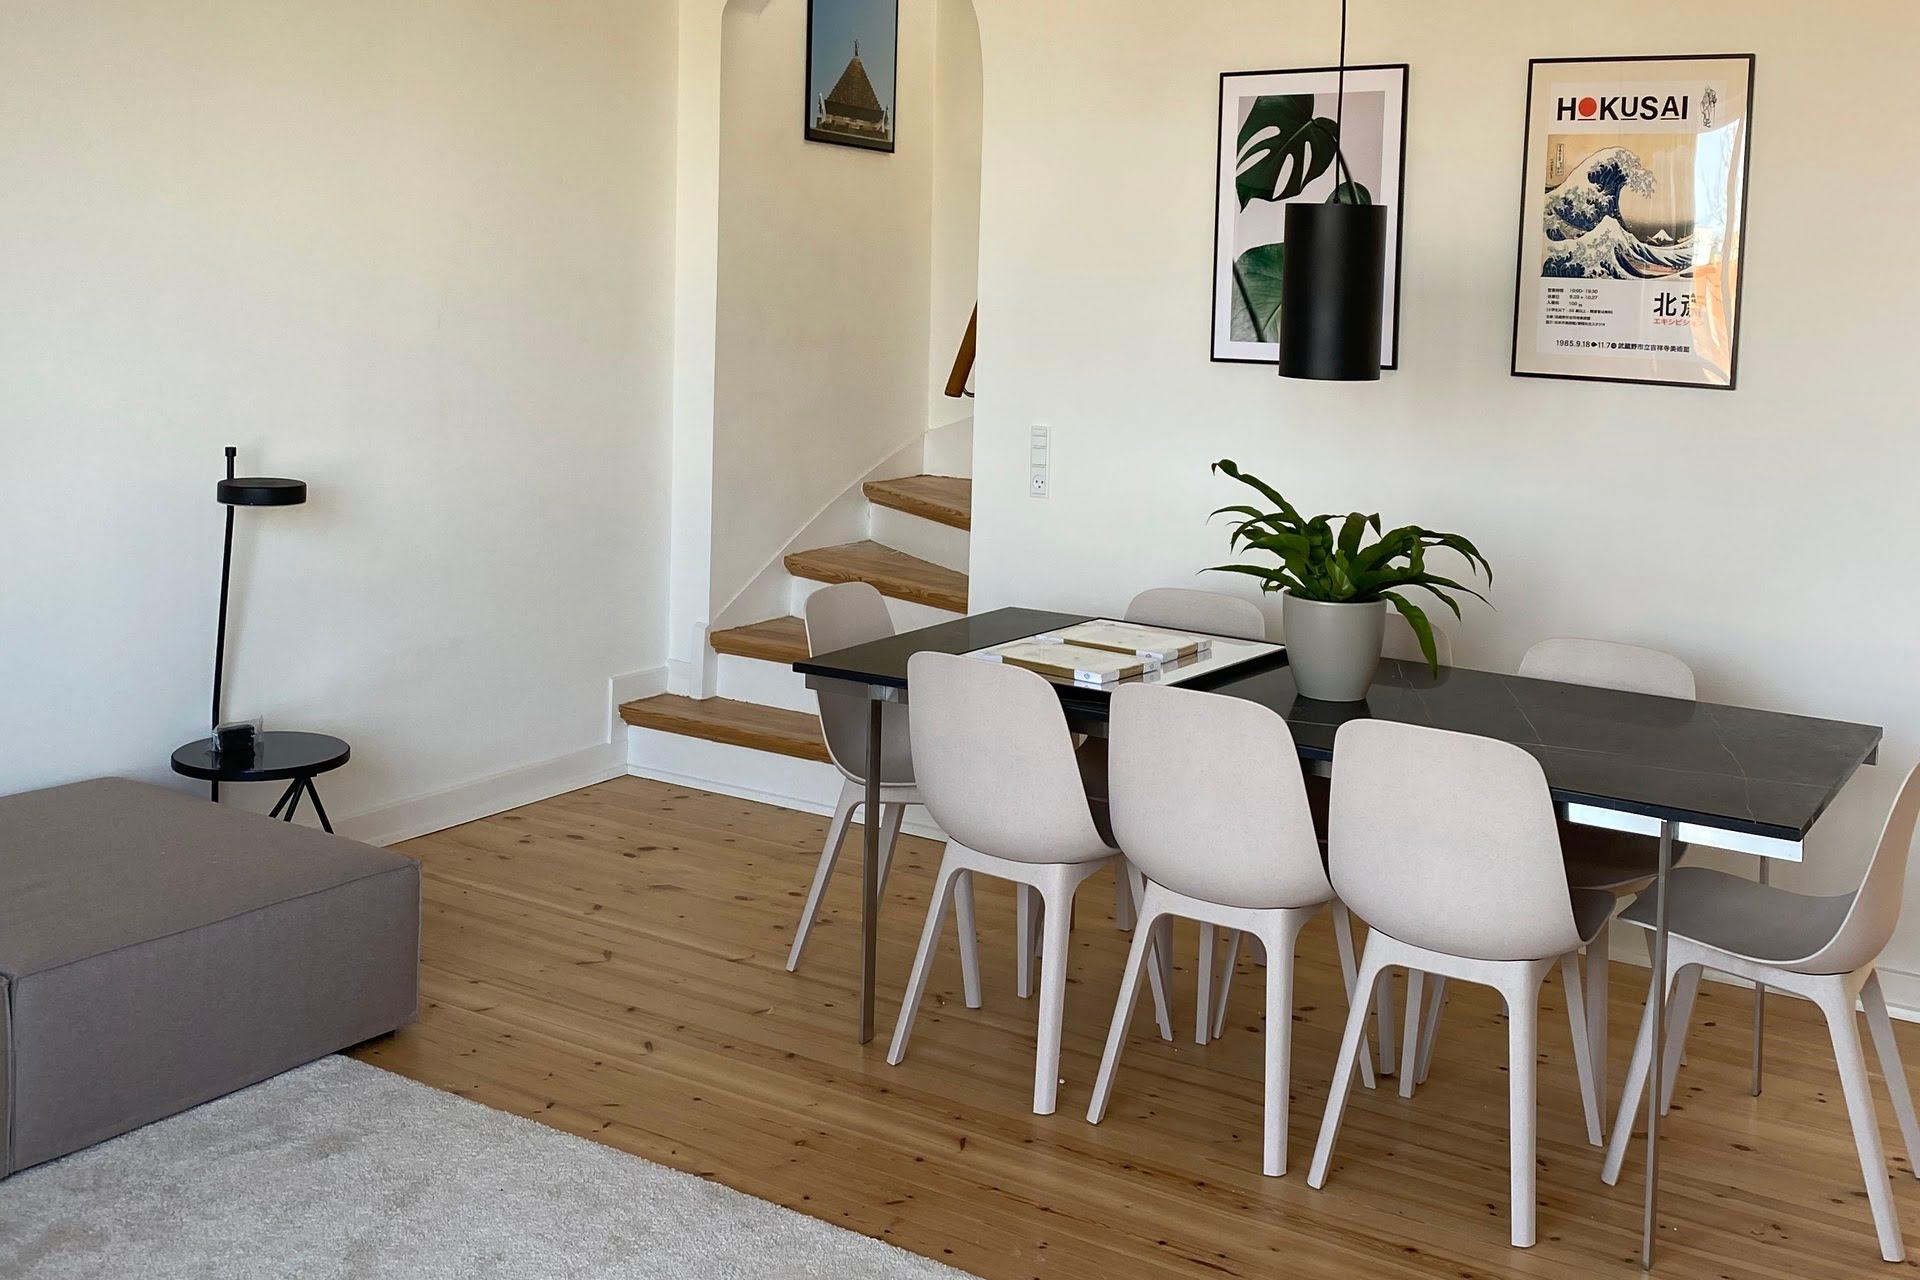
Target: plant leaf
[(1422, 629), (1279, 129), (1349, 193), (1258, 275)]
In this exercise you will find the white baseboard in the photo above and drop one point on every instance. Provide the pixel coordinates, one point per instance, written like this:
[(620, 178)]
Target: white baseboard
[(492, 794), (806, 786)]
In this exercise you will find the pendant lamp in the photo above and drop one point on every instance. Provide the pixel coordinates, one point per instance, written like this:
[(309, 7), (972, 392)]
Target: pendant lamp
[(1331, 296)]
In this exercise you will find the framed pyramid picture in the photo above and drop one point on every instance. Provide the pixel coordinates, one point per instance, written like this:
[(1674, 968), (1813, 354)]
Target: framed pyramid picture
[(852, 48)]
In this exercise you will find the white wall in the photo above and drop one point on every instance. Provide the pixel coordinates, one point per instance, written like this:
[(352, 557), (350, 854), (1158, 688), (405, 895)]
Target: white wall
[(955, 248), (1765, 534), (825, 270), (418, 255)]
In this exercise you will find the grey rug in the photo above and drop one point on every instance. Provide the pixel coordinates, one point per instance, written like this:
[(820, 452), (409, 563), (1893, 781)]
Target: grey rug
[(342, 1169)]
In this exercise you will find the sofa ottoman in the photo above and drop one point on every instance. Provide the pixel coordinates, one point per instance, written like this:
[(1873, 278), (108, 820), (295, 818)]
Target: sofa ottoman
[(158, 951)]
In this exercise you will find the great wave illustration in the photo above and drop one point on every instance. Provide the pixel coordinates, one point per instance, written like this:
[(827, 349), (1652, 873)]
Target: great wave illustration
[(1586, 237)]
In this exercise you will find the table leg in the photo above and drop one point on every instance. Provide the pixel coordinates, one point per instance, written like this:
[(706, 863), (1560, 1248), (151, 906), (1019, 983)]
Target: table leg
[(313, 794), (870, 873), (1760, 1002), (213, 792), (293, 800), (293, 789), (1656, 1086)]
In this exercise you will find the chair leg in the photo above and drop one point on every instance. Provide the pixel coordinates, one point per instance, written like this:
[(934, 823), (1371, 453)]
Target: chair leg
[(823, 872), (1226, 983), (1025, 899), (1595, 977), (1888, 1052), (1352, 1045), (1837, 1003), (1410, 1040), (1138, 959), (969, 938), (1523, 1043), (1679, 1022), (1383, 1009), (1633, 1090), (891, 817), (922, 960), (1577, 1012), (1203, 994), (1279, 1035), (1056, 926), (1430, 1024), (1156, 976), (1123, 917), (1343, 941)]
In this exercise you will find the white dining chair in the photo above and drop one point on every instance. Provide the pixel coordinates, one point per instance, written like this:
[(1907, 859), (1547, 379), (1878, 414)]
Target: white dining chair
[(1210, 806), (997, 772), (1400, 644), (1446, 845), (839, 617), (1823, 949), (1621, 863)]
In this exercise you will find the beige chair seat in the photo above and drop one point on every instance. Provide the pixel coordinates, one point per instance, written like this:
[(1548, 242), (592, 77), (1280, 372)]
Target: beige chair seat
[(1738, 916)]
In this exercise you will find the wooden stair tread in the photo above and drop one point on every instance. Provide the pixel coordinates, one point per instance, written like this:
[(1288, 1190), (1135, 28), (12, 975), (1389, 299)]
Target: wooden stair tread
[(892, 573), (946, 500), (782, 640), (740, 724)]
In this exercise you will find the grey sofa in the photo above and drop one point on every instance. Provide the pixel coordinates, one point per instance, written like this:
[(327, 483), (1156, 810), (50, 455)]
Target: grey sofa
[(158, 951)]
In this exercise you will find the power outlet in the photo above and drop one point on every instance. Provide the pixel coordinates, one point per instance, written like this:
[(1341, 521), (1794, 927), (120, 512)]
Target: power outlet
[(1037, 485), (1039, 463)]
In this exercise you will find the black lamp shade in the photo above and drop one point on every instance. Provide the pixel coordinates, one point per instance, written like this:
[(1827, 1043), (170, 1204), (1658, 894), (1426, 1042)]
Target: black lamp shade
[(263, 491), (1333, 291)]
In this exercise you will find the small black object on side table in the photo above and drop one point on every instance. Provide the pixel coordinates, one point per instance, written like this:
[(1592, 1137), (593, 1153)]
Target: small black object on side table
[(293, 758)]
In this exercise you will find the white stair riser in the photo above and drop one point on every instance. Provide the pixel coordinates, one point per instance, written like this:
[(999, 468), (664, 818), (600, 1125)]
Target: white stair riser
[(906, 615), (771, 684), (917, 536), (804, 785)]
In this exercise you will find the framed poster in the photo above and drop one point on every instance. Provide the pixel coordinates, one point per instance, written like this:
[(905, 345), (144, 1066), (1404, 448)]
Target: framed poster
[(852, 49), (1633, 219), (1277, 136)]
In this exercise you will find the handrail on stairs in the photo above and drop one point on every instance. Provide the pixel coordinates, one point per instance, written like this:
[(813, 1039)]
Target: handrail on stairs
[(963, 360)]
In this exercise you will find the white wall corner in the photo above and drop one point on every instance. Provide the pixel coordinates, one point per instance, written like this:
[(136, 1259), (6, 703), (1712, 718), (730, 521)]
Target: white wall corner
[(489, 795), (698, 674)]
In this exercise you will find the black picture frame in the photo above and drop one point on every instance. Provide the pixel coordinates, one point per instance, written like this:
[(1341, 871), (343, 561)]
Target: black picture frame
[(1521, 240), (1399, 212), (838, 139)]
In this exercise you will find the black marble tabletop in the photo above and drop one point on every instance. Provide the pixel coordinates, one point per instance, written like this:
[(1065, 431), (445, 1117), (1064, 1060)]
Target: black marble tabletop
[(1762, 773)]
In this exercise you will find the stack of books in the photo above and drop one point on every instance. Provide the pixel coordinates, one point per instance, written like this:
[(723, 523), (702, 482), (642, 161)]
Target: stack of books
[(1098, 654)]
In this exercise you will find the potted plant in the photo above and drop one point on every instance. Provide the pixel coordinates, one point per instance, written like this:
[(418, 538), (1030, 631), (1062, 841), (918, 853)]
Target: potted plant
[(1338, 585)]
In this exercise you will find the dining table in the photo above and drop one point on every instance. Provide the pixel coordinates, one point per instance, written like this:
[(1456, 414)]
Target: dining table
[(1700, 773)]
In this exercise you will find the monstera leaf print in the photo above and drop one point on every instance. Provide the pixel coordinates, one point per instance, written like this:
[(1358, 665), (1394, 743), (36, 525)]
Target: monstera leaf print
[(1283, 147), (1257, 276)]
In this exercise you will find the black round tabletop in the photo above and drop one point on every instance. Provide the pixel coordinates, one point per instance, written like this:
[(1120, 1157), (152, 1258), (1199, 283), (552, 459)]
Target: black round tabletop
[(277, 756)]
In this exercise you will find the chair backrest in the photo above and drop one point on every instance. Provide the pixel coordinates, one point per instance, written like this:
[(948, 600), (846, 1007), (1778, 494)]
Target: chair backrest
[(1447, 841), (1208, 798), (995, 761), (1606, 665), (1186, 609), (1868, 926), (839, 617)]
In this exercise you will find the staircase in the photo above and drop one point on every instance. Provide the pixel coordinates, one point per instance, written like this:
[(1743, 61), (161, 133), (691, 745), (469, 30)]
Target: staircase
[(759, 737)]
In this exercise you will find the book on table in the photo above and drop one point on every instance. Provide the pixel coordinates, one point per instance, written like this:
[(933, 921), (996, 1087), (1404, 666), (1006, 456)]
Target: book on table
[(1072, 663), (1128, 637)]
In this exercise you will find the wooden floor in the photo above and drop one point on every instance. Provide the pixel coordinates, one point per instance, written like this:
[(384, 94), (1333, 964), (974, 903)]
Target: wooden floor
[(610, 962)]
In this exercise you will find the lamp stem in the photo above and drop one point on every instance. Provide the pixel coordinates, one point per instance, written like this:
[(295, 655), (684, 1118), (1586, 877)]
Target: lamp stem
[(1340, 109), (226, 571)]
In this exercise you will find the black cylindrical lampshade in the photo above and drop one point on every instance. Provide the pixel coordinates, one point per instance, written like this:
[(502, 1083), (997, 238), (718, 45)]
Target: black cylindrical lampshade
[(1332, 293), (263, 491)]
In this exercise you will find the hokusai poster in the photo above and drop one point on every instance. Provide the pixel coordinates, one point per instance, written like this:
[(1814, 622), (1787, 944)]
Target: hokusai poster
[(1633, 219), (1278, 130)]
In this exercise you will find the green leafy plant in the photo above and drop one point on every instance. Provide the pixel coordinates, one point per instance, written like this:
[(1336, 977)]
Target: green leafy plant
[(1281, 148), (1318, 561)]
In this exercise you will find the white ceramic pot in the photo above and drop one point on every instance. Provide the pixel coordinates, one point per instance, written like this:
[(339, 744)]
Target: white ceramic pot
[(1334, 649)]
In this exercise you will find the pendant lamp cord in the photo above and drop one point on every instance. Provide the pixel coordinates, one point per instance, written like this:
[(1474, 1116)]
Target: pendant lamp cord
[(1339, 112)]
